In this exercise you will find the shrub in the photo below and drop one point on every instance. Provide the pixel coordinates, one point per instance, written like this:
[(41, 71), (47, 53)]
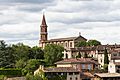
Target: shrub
[(11, 72)]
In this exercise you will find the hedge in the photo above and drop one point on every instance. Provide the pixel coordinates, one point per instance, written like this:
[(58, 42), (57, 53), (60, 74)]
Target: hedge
[(11, 72)]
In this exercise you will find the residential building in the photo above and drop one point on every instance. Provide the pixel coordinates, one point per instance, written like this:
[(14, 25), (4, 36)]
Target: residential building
[(73, 69), (69, 73), (83, 64), (114, 64), (86, 65)]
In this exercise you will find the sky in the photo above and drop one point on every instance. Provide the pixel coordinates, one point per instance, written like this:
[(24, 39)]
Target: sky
[(20, 20)]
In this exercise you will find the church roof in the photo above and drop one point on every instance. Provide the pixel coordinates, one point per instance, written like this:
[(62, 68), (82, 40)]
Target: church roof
[(65, 39)]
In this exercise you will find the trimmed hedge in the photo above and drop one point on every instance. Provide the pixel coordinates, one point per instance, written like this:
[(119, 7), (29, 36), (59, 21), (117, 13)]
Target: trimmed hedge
[(11, 72)]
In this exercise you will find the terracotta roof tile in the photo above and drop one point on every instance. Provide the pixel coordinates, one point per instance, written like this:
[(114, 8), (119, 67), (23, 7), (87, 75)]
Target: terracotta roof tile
[(77, 60), (65, 39), (117, 63), (61, 69), (108, 74)]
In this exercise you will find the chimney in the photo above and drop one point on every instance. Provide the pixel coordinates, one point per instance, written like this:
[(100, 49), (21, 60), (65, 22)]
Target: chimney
[(41, 67)]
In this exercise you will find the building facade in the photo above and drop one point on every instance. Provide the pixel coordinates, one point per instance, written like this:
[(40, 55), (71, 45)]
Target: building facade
[(73, 69), (114, 64)]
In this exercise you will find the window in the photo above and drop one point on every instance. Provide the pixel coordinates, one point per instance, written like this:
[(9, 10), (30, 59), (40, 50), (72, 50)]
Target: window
[(89, 66), (70, 73), (101, 60), (114, 54), (76, 78), (76, 73), (110, 66), (83, 66), (70, 44), (66, 55), (118, 66), (119, 54), (101, 55), (70, 78), (66, 44)]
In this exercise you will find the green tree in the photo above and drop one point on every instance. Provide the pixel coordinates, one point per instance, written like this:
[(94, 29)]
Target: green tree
[(93, 43), (32, 65), (21, 51), (53, 53), (106, 59), (30, 76), (36, 53), (81, 44), (6, 56), (20, 63)]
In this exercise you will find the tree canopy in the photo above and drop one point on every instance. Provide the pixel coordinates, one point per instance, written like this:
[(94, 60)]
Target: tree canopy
[(53, 53), (88, 43), (6, 56), (106, 59), (93, 43), (81, 44)]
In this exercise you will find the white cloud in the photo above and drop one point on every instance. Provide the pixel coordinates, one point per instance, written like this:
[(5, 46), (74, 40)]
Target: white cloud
[(95, 19)]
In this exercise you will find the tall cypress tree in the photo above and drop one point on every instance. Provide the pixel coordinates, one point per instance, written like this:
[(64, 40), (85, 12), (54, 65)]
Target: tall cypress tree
[(106, 59)]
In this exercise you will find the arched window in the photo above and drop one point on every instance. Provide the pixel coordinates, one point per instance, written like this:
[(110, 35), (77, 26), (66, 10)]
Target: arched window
[(66, 56), (76, 78)]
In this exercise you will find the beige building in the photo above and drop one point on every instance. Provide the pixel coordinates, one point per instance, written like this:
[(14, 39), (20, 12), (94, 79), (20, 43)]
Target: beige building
[(70, 73), (73, 69)]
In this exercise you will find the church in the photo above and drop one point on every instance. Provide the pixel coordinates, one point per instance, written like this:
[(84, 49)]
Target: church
[(67, 43)]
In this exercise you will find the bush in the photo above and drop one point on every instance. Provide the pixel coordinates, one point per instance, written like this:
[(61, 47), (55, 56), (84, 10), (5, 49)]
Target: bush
[(11, 72), (29, 76), (2, 77)]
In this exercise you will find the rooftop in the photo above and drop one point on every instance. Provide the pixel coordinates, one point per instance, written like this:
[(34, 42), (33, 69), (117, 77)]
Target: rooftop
[(107, 74), (77, 60), (61, 69), (65, 39)]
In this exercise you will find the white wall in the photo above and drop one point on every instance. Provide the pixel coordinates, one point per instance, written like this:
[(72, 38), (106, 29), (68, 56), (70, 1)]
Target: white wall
[(111, 68), (117, 60), (64, 65)]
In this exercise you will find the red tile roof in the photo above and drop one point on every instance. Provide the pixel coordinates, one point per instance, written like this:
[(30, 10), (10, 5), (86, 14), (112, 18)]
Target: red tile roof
[(86, 74), (61, 69), (65, 39), (77, 61), (117, 63)]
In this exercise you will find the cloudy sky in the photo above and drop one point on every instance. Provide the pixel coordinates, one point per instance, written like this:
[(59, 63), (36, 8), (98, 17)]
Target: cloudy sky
[(95, 19)]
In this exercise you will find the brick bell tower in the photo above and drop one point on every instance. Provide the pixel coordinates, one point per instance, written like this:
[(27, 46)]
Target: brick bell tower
[(43, 32)]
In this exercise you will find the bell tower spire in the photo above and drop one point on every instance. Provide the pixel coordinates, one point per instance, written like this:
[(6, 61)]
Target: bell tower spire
[(43, 30)]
